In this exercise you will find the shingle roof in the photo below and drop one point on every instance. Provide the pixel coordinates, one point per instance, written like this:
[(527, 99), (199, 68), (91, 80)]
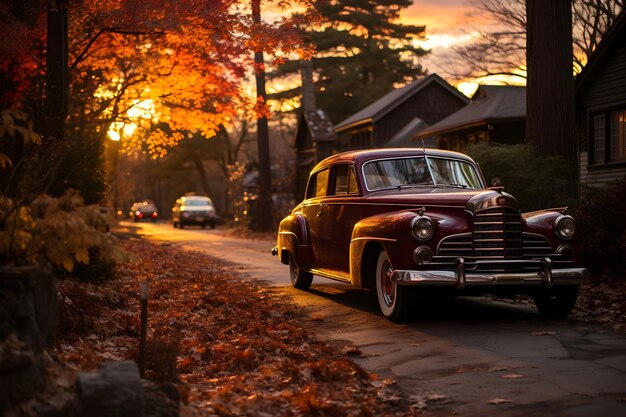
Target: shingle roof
[(490, 103), (391, 100)]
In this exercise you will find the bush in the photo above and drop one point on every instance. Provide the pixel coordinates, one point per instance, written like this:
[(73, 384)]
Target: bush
[(602, 226), (538, 182)]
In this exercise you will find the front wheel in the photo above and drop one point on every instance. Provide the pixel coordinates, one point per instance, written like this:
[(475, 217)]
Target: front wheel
[(556, 302), (392, 298), (300, 279)]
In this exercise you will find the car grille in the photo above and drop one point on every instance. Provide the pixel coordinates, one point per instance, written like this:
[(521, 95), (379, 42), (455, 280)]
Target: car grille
[(497, 236)]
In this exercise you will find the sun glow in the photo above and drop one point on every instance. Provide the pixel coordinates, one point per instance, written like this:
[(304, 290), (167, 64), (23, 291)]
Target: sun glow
[(140, 110)]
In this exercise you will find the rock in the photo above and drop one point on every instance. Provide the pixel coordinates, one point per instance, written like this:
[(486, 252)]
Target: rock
[(162, 400), (21, 375), (115, 390)]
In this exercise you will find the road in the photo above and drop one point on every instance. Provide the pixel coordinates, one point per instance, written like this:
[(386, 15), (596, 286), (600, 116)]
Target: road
[(469, 357)]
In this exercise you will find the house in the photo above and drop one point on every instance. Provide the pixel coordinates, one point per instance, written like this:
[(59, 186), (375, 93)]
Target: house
[(391, 120), (601, 109), (496, 113), (314, 140)]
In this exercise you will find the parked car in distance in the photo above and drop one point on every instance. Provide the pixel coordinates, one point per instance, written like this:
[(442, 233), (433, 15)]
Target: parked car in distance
[(144, 210), (409, 221), (194, 209)]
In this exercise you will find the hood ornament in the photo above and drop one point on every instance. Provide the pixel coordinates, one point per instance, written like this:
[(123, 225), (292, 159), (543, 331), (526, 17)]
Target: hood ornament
[(497, 185)]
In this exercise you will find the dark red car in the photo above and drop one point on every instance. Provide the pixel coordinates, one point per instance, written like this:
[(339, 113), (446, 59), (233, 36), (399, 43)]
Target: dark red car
[(400, 220)]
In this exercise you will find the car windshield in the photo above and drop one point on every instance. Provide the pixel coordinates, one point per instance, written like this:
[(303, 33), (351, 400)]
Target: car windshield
[(420, 172), (199, 202)]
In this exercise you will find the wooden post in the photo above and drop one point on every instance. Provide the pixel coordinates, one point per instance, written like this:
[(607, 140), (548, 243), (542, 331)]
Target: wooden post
[(144, 285)]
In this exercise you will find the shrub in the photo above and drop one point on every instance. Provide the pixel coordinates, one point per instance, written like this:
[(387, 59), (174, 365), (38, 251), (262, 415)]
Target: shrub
[(536, 181), (602, 227), (54, 232)]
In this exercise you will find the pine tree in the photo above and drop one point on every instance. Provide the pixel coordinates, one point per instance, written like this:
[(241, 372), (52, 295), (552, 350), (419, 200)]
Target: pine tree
[(362, 53)]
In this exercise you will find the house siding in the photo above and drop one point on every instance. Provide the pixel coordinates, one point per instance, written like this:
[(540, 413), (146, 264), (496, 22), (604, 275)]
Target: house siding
[(603, 93)]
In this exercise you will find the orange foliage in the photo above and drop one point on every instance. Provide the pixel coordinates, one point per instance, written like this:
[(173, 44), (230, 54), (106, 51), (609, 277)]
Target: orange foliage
[(188, 58)]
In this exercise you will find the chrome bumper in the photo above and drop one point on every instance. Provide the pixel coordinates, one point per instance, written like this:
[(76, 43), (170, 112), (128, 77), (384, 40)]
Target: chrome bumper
[(459, 278)]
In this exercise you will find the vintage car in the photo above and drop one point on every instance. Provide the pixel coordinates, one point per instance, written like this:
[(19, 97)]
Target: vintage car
[(194, 209), (407, 221)]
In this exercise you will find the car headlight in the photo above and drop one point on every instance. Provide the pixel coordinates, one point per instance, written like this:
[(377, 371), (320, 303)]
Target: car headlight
[(422, 228), (565, 227)]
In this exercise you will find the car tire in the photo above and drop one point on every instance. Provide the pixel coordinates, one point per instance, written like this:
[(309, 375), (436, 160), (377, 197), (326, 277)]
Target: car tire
[(300, 279), (181, 225), (203, 225), (212, 225), (556, 302), (392, 299)]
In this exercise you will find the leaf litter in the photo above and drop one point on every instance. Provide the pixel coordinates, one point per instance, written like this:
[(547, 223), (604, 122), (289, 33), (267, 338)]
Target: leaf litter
[(233, 347)]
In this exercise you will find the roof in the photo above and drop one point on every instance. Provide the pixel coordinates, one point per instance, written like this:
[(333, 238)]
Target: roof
[(610, 40), (392, 100), (490, 104), (318, 124), (360, 156)]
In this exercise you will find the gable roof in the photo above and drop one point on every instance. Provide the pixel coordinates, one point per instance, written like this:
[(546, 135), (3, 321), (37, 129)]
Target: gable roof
[(490, 103), (318, 125), (611, 38), (392, 100)]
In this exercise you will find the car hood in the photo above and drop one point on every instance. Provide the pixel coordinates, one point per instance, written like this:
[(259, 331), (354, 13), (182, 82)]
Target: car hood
[(472, 200)]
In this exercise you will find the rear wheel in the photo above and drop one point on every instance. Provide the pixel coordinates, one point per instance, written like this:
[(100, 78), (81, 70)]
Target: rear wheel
[(212, 225), (557, 301), (299, 279), (392, 298), (181, 225)]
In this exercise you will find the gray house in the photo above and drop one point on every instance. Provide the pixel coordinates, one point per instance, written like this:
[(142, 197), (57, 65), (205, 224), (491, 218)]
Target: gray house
[(392, 120), (496, 113), (601, 109)]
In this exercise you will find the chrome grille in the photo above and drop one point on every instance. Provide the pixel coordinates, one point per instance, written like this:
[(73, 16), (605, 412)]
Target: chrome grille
[(498, 234)]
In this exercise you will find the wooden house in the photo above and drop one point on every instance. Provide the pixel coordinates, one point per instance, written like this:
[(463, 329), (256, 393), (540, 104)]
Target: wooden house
[(392, 120), (496, 113), (601, 109)]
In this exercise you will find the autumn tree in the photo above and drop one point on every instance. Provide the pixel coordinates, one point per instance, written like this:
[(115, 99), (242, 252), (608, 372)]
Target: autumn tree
[(362, 53), (498, 47)]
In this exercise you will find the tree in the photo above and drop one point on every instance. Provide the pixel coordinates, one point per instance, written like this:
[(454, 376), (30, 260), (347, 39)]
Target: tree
[(499, 49), (550, 112), (362, 53)]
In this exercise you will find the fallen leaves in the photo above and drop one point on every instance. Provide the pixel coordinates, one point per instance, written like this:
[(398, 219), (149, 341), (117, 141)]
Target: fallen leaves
[(237, 347), (497, 401)]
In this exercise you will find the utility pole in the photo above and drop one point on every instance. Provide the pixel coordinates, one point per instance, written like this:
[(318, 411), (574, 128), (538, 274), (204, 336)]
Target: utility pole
[(264, 208), (57, 71)]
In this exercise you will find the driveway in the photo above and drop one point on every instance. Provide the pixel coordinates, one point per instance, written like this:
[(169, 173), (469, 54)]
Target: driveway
[(459, 356)]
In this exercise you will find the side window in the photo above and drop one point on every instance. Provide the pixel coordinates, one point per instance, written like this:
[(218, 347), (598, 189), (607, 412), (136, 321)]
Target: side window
[(344, 181), (318, 184)]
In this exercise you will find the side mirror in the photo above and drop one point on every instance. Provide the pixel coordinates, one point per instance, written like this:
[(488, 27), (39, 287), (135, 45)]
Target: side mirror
[(496, 184)]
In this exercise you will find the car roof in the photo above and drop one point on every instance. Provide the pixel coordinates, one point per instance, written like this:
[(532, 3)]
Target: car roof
[(195, 197), (364, 155)]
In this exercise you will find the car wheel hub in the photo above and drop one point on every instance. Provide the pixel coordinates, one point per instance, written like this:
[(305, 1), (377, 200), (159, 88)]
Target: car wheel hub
[(387, 286)]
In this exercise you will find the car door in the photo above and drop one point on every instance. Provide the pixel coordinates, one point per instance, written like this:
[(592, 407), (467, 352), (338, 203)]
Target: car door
[(313, 210), (340, 215)]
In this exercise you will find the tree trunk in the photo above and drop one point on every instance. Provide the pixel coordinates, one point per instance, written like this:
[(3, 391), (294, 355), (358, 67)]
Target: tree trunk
[(550, 107), (57, 72), (264, 209)]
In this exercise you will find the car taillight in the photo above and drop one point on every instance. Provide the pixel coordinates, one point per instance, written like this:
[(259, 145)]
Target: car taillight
[(154, 214), (138, 214)]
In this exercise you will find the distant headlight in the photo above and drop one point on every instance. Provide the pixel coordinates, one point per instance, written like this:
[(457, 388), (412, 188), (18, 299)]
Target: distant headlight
[(565, 227), (422, 228)]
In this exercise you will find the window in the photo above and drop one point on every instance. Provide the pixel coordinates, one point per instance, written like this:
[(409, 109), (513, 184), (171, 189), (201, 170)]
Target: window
[(618, 135), (318, 184), (598, 138), (344, 180)]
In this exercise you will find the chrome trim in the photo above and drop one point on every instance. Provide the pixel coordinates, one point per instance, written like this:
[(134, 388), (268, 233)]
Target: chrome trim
[(459, 278), (382, 239), (555, 226)]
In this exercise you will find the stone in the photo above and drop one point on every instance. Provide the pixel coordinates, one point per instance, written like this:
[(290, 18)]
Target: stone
[(115, 390)]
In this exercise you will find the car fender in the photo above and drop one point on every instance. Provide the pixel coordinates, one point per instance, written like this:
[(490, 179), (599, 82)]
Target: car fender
[(293, 239), (380, 230)]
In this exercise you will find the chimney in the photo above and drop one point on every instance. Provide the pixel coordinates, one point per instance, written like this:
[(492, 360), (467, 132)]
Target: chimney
[(308, 89)]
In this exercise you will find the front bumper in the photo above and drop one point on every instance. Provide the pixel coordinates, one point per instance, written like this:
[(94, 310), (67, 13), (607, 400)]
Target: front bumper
[(460, 278)]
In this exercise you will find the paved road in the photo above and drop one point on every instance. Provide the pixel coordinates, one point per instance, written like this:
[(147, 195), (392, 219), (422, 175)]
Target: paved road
[(457, 355)]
